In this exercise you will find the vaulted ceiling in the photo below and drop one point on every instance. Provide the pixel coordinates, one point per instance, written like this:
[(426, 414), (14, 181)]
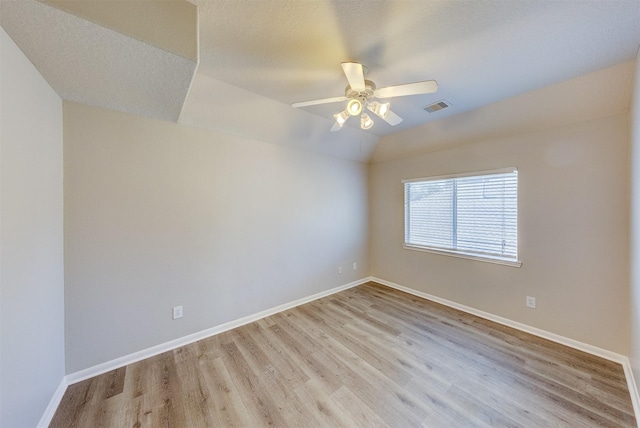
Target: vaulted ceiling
[(236, 66)]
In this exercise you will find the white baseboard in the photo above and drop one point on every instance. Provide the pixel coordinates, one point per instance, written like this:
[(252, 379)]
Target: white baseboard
[(633, 388), (158, 349), (50, 411), (185, 340), (590, 349)]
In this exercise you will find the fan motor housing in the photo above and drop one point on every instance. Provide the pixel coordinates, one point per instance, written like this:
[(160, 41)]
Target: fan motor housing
[(366, 95)]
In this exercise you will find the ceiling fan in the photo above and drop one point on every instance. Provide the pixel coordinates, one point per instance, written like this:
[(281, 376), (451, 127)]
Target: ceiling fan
[(361, 95)]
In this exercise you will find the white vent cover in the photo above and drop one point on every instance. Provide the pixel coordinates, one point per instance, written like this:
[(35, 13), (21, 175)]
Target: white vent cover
[(437, 106)]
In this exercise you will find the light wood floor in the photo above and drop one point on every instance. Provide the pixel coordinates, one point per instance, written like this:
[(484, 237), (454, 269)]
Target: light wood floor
[(368, 356)]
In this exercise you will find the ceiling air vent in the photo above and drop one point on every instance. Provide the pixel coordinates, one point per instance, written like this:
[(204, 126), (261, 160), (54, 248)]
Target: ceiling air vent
[(437, 106)]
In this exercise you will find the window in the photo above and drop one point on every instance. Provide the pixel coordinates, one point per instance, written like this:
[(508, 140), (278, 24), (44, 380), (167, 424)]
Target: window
[(468, 215)]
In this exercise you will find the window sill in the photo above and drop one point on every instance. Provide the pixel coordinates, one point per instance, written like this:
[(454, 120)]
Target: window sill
[(512, 263)]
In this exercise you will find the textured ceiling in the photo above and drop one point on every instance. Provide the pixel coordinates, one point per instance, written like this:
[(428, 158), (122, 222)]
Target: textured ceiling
[(169, 25), (595, 95), (478, 51), (256, 57)]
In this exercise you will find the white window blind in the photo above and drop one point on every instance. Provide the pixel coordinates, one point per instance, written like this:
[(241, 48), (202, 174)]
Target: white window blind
[(471, 214)]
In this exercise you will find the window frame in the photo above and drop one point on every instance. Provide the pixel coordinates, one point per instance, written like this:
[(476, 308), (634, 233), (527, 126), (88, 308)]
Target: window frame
[(490, 258)]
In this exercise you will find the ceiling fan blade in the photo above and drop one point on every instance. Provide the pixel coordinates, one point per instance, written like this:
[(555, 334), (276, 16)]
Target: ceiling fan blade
[(425, 87), (316, 102), (392, 118), (355, 75), (336, 127)]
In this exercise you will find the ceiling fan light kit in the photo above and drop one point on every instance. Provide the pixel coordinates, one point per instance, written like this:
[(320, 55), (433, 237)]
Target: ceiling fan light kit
[(354, 107), (360, 93), (379, 109), (341, 117), (365, 121)]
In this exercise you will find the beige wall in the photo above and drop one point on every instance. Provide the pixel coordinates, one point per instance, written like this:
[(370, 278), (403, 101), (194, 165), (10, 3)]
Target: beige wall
[(31, 237), (634, 355), (158, 214), (573, 231)]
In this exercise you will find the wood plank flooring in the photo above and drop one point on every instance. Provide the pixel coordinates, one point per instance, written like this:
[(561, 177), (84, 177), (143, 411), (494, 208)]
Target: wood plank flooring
[(369, 356)]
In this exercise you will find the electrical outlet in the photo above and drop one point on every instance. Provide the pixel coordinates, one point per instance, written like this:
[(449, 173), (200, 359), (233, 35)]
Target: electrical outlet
[(355, 265), (177, 312), (339, 269), (531, 302)]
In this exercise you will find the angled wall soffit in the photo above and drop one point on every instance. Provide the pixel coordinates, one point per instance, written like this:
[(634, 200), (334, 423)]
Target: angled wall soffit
[(143, 64)]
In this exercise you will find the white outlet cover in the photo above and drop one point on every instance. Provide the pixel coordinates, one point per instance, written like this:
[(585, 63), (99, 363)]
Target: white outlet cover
[(531, 302), (339, 269), (177, 312), (355, 265)]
